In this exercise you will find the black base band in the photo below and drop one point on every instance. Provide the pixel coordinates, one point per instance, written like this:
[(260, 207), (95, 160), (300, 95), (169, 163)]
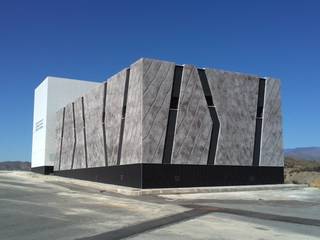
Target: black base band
[(46, 170), (177, 175)]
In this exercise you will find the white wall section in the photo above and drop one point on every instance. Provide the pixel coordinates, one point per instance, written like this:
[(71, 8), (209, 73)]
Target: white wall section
[(51, 95)]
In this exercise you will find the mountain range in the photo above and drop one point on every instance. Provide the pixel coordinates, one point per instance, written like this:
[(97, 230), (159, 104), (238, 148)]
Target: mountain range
[(15, 165), (304, 153)]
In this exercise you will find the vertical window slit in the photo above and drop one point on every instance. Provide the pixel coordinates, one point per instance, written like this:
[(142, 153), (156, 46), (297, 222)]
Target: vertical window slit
[(103, 124), (259, 119), (123, 115), (171, 125)]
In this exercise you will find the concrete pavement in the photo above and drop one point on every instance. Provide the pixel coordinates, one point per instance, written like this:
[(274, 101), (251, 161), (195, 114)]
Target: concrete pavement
[(33, 206)]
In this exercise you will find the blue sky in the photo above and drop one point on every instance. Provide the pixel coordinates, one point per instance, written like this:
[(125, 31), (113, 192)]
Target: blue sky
[(95, 39)]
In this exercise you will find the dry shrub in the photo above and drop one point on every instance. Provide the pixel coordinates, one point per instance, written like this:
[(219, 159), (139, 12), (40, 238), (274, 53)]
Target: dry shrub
[(315, 183)]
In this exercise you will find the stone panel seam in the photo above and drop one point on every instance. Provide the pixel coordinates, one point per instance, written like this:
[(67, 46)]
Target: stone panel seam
[(155, 77), (188, 101), (189, 129), (74, 136), (157, 95), (62, 127), (144, 137), (103, 124), (84, 132), (123, 116)]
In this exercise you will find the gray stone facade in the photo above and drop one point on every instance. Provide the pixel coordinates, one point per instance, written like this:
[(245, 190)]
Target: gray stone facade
[(93, 108), (157, 88), (147, 112), (271, 141), (193, 125), (235, 97)]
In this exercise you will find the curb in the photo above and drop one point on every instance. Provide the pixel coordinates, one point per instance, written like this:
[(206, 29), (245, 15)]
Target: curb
[(129, 191)]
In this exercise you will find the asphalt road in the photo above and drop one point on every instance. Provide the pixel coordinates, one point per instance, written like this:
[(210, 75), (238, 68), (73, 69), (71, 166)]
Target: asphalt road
[(33, 206)]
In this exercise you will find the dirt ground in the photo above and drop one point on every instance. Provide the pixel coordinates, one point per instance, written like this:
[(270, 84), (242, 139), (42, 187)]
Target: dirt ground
[(301, 171)]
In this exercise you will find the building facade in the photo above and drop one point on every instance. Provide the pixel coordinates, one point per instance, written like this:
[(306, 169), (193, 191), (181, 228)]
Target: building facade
[(158, 124), (51, 95)]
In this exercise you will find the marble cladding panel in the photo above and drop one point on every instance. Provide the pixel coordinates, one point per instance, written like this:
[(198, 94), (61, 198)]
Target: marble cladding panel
[(271, 143), (93, 109), (79, 154), (68, 139), (193, 123), (148, 101), (157, 87), (235, 97), (132, 138), (59, 126), (114, 104)]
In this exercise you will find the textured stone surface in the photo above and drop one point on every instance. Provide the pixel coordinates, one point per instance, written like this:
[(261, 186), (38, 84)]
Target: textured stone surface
[(149, 93), (79, 154), (235, 97), (132, 139), (271, 143), (157, 87), (68, 139), (93, 107), (114, 104), (59, 125), (194, 124)]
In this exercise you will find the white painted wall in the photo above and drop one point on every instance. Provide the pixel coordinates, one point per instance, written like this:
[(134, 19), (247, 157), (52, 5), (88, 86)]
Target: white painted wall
[(51, 95)]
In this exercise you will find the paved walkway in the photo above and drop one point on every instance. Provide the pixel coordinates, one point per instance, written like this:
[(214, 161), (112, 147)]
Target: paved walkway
[(33, 206)]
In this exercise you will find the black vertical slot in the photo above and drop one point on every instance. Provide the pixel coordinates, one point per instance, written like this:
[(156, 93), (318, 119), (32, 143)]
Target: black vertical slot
[(214, 116), (259, 119), (123, 115), (171, 125), (103, 124)]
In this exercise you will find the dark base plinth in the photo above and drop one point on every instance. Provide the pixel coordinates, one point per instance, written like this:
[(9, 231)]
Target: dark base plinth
[(178, 175), (43, 170)]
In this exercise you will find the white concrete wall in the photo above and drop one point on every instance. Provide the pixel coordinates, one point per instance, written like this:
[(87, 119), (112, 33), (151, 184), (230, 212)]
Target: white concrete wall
[(52, 94)]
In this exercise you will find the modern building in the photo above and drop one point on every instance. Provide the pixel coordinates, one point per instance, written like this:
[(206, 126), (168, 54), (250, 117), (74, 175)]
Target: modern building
[(51, 95), (158, 124)]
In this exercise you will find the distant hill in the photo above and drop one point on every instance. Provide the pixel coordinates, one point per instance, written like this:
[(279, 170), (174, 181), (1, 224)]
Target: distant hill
[(15, 165), (307, 153)]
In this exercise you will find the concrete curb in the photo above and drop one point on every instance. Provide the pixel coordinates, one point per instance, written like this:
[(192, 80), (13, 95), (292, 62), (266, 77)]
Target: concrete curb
[(191, 190), (166, 191), (159, 191)]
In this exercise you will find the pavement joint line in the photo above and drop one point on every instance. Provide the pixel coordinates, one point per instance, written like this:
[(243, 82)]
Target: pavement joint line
[(194, 212), (258, 215), (148, 226)]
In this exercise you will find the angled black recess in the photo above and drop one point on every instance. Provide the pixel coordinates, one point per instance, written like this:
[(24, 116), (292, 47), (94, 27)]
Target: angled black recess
[(214, 116), (123, 116), (62, 127), (171, 125), (259, 119), (103, 123)]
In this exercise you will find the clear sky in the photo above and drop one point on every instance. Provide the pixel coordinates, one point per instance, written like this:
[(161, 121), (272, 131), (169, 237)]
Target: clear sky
[(92, 40)]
